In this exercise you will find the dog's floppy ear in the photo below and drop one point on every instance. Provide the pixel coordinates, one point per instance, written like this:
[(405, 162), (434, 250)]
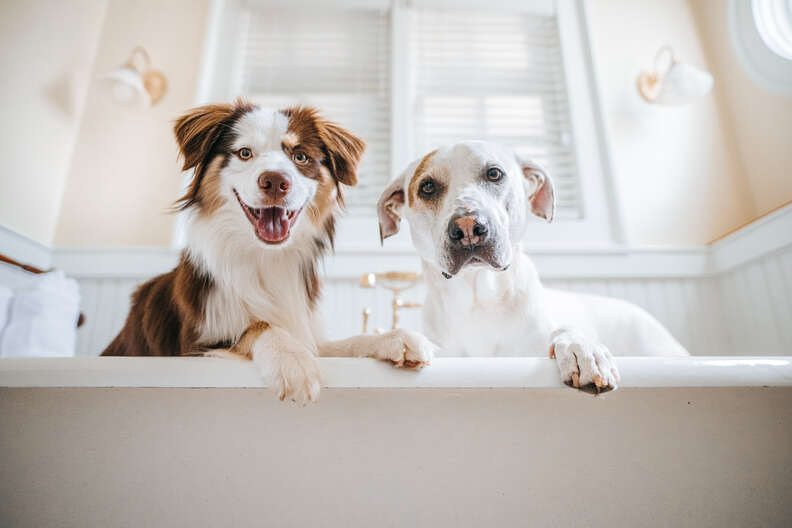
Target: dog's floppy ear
[(539, 189), (197, 132), (344, 151), (390, 203)]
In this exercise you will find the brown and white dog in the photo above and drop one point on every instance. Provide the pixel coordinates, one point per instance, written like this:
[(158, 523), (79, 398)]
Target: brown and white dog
[(469, 206), (261, 207)]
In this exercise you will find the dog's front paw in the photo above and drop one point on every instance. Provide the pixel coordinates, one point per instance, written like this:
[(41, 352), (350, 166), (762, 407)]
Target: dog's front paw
[(584, 364), (406, 349), (295, 375)]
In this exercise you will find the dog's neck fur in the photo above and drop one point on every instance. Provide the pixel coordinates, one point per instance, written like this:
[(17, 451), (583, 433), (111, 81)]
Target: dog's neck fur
[(251, 280), (482, 285), (455, 309)]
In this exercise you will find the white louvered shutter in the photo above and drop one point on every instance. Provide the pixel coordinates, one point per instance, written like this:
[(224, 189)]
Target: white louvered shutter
[(496, 76), (337, 60)]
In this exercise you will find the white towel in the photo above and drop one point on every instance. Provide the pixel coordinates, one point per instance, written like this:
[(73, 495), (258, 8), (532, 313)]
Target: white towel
[(5, 307), (42, 318)]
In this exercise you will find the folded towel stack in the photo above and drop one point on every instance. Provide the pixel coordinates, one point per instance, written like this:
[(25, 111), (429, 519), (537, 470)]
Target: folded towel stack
[(40, 319)]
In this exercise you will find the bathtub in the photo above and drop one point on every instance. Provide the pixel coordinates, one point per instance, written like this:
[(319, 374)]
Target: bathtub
[(698, 441)]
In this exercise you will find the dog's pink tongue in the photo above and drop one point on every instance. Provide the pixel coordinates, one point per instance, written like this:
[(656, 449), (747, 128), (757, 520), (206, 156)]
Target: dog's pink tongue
[(273, 224)]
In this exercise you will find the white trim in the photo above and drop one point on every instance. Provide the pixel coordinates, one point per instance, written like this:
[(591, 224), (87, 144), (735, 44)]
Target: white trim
[(350, 265), (206, 89), (338, 373), (622, 263), (400, 89), (594, 225), (24, 249), (203, 91), (115, 262), (609, 180), (552, 263), (763, 66), (536, 7), (763, 236), (322, 4)]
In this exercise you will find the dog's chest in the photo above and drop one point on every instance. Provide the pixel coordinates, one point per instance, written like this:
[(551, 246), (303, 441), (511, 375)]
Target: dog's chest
[(488, 318), (238, 300)]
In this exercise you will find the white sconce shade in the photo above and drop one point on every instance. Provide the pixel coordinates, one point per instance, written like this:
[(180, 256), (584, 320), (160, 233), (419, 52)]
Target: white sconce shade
[(133, 85), (677, 84)]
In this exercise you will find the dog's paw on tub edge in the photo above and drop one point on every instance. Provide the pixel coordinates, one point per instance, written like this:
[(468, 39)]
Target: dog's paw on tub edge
[(584, 364), (406, 349)]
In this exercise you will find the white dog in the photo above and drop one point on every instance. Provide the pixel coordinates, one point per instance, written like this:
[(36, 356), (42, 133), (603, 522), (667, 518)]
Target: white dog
[(468, 207)]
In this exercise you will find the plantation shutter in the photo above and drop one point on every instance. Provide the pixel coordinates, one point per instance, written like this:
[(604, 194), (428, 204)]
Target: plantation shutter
[(496, 76), (337, 60)]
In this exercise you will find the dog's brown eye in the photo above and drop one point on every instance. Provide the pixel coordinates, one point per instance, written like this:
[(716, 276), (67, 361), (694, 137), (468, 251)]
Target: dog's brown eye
[(494, 174), (428, 187), (245, 153), (302, 158)]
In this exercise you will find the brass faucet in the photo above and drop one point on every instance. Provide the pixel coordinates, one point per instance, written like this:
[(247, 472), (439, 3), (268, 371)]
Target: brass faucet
[(396, 282)]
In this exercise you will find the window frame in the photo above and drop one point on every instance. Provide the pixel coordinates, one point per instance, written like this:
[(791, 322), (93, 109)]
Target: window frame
[(767, 69), (600, 225)]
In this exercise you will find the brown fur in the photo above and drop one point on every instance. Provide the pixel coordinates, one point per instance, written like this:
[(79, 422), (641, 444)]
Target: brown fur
[(339, 150), (291, 140), (203, 134), (335, 154), (420, 171), (244, 347), (167, 312), (208, 194)]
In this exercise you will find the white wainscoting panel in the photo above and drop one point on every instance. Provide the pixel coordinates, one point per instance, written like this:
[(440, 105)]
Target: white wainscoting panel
[(755, 301), (105, 304)]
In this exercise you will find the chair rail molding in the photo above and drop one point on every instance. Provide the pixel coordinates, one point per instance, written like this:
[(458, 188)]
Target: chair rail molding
[(23, 249), (766, 235)]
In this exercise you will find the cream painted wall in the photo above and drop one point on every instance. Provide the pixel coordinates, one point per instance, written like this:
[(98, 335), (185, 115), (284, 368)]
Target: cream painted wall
[(762, 120), (125, 174), (680, 171), (681, 179), (47, 49)]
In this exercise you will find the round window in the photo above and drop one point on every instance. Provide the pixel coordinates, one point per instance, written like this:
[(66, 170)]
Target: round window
[(762, 36)]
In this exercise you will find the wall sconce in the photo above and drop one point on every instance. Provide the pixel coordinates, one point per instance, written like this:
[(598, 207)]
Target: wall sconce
[(133, 83), (676, 83)]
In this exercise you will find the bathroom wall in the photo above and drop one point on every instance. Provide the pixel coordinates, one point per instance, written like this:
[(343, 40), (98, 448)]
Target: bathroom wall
[(761, 119), (47, 50), (680, 174), (125, 173), (684, 175)]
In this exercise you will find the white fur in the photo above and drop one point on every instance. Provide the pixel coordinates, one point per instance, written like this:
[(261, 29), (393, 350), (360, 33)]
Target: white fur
[(256, 282), (262, 130), (485, 312)]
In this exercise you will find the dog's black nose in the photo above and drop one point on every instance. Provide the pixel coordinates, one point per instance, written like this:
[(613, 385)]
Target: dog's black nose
[(467, 230), (274, 184)]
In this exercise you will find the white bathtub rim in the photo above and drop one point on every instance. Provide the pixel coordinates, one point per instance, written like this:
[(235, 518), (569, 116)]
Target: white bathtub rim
[(444, 373)]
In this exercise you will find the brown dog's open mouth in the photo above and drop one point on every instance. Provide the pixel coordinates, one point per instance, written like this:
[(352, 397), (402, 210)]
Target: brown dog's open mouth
[(272, 224)]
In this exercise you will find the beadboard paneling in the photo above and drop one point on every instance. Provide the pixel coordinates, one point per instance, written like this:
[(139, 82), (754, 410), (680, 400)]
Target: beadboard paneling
[(105, 303)]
